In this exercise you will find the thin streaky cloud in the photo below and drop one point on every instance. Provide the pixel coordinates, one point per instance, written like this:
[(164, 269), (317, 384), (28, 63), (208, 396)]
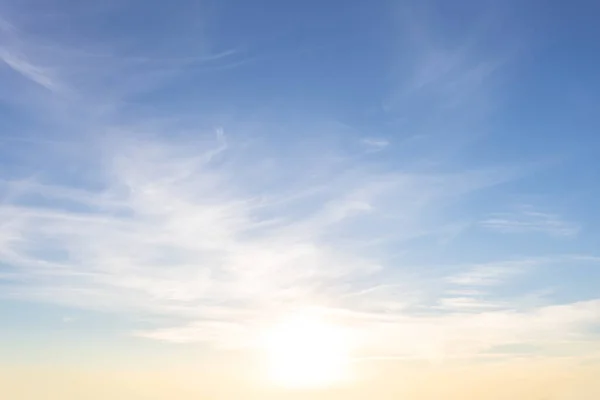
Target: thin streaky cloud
[(187, 237), (493, 273), (375, 144), (529, 221), (33, 72), (449, 74)]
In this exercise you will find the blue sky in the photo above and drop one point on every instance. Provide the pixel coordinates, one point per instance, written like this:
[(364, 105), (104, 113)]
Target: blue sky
[(182, 172)]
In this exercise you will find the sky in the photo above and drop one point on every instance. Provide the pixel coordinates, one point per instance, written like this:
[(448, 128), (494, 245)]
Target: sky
[(177, 177)]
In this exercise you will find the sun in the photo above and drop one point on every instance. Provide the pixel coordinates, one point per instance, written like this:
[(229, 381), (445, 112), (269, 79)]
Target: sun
[(305, 351)]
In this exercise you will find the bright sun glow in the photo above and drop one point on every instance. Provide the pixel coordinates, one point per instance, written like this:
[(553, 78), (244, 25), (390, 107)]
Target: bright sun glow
[(306, 352)]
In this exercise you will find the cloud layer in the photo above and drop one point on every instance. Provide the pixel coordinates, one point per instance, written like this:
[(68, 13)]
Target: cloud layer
[(124, 207), (188, 232)]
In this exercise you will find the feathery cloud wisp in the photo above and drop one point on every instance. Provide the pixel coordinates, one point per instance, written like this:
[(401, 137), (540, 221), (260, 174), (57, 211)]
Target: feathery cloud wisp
[(184, 231), (529, 221)]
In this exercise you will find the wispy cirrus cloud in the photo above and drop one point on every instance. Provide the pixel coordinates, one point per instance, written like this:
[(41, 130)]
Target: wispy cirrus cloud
[(375, 144), (184, 231), (451, 73), (467, 334), (186, 205), (95, 74), (530, 221), (33, 72), (14, 55), (492, 274)]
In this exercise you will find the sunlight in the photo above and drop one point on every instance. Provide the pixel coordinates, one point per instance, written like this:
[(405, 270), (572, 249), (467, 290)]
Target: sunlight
[(306, 352)]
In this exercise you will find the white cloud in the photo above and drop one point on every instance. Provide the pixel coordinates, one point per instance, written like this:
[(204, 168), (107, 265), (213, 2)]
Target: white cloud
[(491, 274), (35, 73), (467, 303), (182, 231), (529, 221), (473, 332), (465, 335), (375, 144), (88, 75), (453, 74)]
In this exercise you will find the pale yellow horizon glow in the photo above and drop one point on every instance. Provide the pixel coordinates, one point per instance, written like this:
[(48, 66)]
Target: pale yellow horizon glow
[(551, 379)]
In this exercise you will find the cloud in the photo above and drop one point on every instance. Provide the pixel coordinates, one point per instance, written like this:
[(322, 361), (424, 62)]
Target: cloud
[(184, 207), (481, 331), (35, 73), (91, 76), (375, 144), (15, 55), (219, 231), (530, 221), (449, 72), (467, 303), (465, 335), (188, 230), (491, 274), (486, 285)]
